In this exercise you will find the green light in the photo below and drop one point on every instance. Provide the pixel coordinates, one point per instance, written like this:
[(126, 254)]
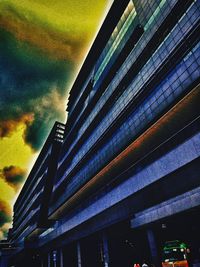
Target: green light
[(117, 40), (155, 13)]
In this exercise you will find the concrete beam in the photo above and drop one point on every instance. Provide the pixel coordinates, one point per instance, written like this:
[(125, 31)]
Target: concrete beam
[(171, 122), (167, 208)]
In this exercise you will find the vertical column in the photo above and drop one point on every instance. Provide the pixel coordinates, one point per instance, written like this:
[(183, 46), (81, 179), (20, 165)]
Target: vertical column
[(105, 250), (49, 259), (79, 254), (55, 255), (61, 258), (153, 248)]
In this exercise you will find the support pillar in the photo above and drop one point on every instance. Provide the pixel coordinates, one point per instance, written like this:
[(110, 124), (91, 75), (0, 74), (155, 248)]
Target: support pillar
[(153, 248), (49, 259), (61, 258), (79, 254), (105, 250), (55, 255)]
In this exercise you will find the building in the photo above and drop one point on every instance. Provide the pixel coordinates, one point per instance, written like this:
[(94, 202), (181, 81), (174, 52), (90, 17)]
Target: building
[(31, 208), (127, 178)]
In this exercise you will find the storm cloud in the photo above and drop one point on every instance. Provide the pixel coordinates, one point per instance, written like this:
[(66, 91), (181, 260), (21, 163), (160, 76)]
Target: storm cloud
[(5, 213), (13, 176), (34, 85), (5, 218), (9, 126)]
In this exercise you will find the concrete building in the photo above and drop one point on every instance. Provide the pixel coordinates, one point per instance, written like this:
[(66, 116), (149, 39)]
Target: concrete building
[(31, 208), (126, 179)]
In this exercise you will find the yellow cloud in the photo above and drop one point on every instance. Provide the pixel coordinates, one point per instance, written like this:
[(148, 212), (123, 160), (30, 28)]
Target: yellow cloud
[(66, 16), (14, 151), (61, 28), (7, 192), (4, 229)]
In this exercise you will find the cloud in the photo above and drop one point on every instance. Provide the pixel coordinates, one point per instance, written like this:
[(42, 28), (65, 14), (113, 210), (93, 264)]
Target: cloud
[(40, 47), (13, 176), (62, 29), (5, 218), (9, 126), (4, 230), (27, 26), (46, 109), (32, 90), (5, 213)]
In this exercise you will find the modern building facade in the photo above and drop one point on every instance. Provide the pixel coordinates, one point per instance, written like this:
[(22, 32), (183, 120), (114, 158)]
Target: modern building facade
[(31, 207), (126, 177)]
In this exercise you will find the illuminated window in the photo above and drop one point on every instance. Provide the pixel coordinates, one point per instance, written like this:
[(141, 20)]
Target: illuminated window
[(116, 38)]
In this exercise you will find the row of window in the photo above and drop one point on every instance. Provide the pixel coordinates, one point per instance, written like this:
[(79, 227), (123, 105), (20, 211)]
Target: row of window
[(32, 203), (130, 9), (116, 43), (89, 78), (33, 181), (164, 95), (108, 56), (119, 31), (117, 79), (29, 220), (35, 187), (155, 8), (147, 10), (169, 44)]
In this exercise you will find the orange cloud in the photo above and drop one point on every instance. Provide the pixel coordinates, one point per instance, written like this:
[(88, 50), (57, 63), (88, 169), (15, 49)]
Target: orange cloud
[(7, 127), (5, 212), (4, 229), (56, 44), (14, 176), (62, 29), (5, 218)]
